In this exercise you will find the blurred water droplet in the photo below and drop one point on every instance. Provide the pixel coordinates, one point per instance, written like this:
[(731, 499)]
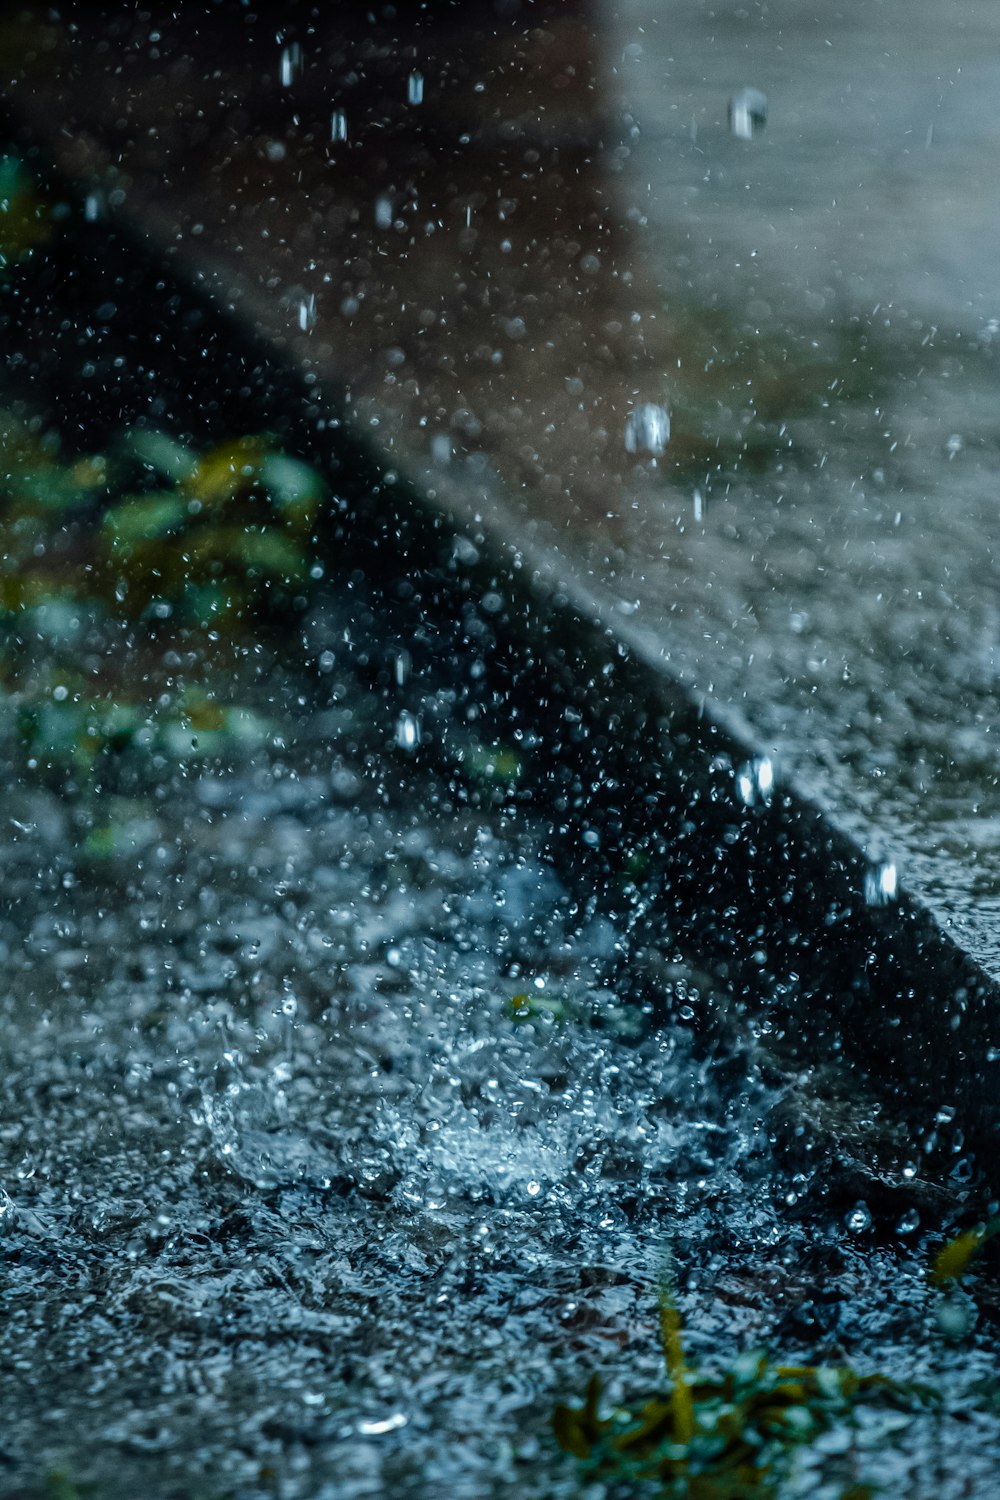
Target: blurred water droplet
[(385, 1424), (407, 731), (307, 313), (698, 506), (747, 113), (415, 88), (909, 1222), (880, 885), (956, 1315), (647, 429), (755, 782), (383, 212), (338, 125), (291, 61), (859, 1219)]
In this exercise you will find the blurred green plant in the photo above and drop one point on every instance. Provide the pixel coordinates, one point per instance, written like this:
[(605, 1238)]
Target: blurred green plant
[(729, 1435), (153, 534), (953, 1259), (26, 219)]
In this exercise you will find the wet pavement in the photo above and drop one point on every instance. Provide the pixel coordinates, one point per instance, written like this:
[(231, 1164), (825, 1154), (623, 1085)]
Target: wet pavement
[(298, 1199), (503, 242), (297, 1202)]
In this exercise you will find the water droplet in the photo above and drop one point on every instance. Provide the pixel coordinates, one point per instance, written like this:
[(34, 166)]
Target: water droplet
[(407, 731), (909, 1222), (880, 885), (755, 782), (859, 1219), (415, 88), (307, 313), (747, 113), (383, 212), (385, 1424), (291, 62), (956, 1315), (698, 506), (441, 449), (338, 125), (647, 429)]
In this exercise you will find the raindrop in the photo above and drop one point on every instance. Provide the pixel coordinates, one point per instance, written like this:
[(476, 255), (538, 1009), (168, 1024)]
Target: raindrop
[(386, 1424), (859, 1219), (415, 88), (383, 212), (92, 207), (956, 1315), (338, 125), (698, 505), (747, 113), (441, 449), (647, 429), (909, 1222), (755, 782), (407, 731), (880, 885), (291, 61), (307, 313)]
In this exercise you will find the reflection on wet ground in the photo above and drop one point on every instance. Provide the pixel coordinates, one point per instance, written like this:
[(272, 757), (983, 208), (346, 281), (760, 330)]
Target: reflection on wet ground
[(506, 239)]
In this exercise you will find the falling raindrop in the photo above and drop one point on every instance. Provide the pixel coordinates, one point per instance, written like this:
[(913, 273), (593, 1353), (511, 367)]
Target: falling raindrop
[(407, 731), (880, 885), (415, 88), (291, 61), (307, 313), (909, 1222), (338, 125), (755, 782), (383, 211), (859, 1219), (747, 113), (698, 506), (647, 429), (382, 1426), (441, 449)]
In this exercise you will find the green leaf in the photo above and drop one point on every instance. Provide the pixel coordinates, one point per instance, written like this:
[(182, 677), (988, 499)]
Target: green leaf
[(144, 517), (952, 1262), (157, 450)]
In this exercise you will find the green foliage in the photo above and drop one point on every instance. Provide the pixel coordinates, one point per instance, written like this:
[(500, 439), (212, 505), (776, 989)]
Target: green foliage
[(526, 1007), (732, 1435), (149, 534), (59, 1486), (153, 530), (25, 217), (721, 1436), (953, 1260)]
